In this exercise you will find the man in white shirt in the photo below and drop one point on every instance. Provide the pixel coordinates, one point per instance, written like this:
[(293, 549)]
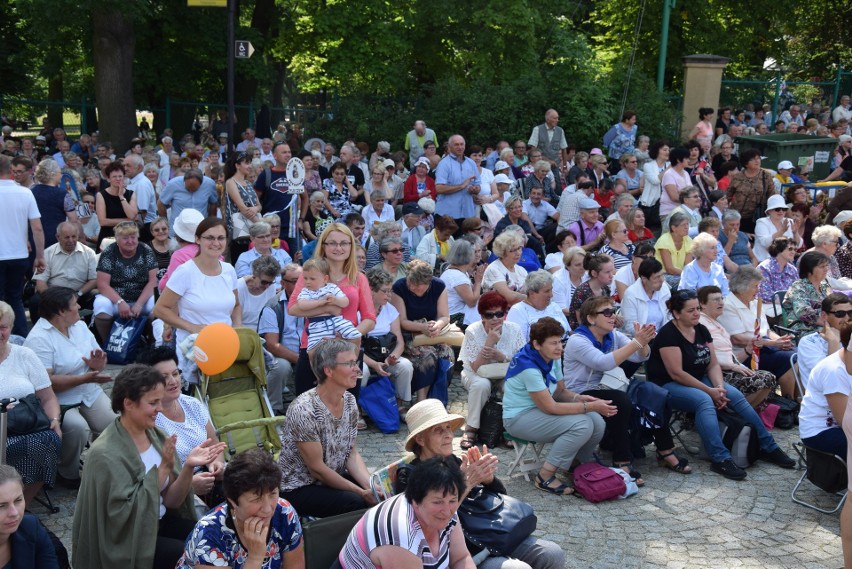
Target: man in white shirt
[(167, 148), (842, 110), (815, 347), (146, 196), (19, 213), (266, 151), (550, 139), (249, 138)]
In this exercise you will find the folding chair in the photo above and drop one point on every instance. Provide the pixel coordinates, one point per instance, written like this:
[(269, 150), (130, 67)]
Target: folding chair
[(523, 462), (794, 365), (677, 426), (825, 471), (779, 317)]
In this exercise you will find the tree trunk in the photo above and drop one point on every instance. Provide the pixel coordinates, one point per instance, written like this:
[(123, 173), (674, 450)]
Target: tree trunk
[(261, 21), (113, 44), (56, 92)]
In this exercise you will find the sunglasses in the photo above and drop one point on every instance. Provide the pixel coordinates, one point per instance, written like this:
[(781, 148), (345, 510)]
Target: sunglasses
[(491, 315), (265, 282), (608, 312), (841, 313), (393, 251), (779, 209)]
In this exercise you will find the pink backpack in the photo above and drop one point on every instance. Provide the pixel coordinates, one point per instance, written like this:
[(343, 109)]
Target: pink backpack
[(597, 483)]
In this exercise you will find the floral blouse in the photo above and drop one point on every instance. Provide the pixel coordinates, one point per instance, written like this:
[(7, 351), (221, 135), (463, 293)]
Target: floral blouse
[(802, 304), (214, 542), (339, 199), (774, 279)]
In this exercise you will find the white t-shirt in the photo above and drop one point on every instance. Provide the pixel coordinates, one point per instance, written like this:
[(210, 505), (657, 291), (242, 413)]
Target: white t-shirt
[(250, 304), (497, 272), (524, 315), (624, 275), (453, 278), (151, 459), (64, 355), (204, 300), (828, 377), (22, 373), (384, 319), (19, 207)]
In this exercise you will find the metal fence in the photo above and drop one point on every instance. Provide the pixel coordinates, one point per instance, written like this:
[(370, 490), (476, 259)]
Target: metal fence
[(26, 116), (778, 93)]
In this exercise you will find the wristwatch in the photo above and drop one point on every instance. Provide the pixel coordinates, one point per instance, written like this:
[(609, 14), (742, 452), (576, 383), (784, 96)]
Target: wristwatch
[(119, 301)]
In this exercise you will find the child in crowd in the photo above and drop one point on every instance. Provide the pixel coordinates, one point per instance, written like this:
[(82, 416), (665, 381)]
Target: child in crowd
[(318, 293)]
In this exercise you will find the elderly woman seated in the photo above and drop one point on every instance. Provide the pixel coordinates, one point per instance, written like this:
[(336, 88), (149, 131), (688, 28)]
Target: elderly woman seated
[(419, 528), (421, 301), (463, 278), (703, 269), (505, 275), (379, 232), (779, 270), (826, 240), (529, 258), (384, 344), (127, 275), (488, 346), (735, 242), (323, 473), (756, 385), (435, 245), (738, 319), (803, 299), (253, 525), (538, 304), (645, 300), (430, 434), (537, 406), (261, 237), (596, 348)]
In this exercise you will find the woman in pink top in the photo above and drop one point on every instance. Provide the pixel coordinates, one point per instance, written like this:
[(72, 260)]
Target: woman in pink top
[(703, 131), (336, 245), (674, 180)]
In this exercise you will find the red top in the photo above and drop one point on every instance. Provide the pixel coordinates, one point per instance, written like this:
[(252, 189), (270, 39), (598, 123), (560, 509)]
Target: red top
[(646, 234), (409, 189), (360, 301)]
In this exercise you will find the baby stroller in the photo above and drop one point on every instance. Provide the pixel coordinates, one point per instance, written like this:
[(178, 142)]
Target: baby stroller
[(237, 402)]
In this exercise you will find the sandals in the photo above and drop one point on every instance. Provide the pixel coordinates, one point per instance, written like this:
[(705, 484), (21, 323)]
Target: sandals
[(682, 466), (361, 425), (634, 474), (561, 490), (468, 438)]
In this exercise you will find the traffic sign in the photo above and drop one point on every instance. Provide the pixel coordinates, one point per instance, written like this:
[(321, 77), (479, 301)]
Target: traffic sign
[(243, 49)]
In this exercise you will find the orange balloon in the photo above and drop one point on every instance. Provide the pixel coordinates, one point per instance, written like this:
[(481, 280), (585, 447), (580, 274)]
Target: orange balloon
[(216, 348)]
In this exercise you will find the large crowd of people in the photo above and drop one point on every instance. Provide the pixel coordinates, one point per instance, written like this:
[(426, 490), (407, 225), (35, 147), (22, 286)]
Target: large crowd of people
[(541, 272)]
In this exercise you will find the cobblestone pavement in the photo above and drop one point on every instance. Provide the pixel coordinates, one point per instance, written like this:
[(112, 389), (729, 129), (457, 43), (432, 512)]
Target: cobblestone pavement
[(676, 521)]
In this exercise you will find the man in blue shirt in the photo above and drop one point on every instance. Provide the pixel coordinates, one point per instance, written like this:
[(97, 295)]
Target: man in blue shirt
[(456, 182), (193, 190)]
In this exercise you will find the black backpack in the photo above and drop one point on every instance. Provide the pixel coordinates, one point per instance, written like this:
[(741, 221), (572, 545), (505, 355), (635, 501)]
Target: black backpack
[(739, 437)]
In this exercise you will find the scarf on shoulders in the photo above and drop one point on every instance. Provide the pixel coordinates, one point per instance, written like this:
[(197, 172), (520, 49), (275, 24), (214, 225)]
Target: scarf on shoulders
[(529, 358), (605, 346)]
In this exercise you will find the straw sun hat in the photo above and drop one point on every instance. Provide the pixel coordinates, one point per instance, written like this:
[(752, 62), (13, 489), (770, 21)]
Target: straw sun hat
[(426, 414)]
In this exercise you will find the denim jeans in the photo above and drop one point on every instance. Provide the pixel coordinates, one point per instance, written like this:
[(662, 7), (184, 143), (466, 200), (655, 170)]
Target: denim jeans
[(694, 400), (12, 275)]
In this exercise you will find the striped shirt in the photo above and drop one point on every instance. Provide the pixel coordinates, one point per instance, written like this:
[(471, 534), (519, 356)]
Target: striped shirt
[(392, 522)]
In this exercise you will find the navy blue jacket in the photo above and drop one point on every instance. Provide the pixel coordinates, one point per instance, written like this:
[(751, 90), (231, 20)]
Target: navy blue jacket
[(32, 547)]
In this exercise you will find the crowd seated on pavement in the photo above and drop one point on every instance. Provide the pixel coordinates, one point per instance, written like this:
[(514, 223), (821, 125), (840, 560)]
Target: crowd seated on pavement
[(704, 242)]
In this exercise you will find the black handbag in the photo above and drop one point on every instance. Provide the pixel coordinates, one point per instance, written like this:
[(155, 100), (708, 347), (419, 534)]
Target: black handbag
[(496, 522), (378, 348), (27, 417), (788, 412), (491, 423)]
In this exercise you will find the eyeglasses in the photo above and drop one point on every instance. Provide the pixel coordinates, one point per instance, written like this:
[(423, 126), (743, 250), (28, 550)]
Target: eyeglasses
[(350, 363), (264, 236), (686, 294), (341, 244), (608, 312), (515, 250), (265, 282), (393, 251), (793, 249), (841, 313), (492, 315), (212, 238)]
